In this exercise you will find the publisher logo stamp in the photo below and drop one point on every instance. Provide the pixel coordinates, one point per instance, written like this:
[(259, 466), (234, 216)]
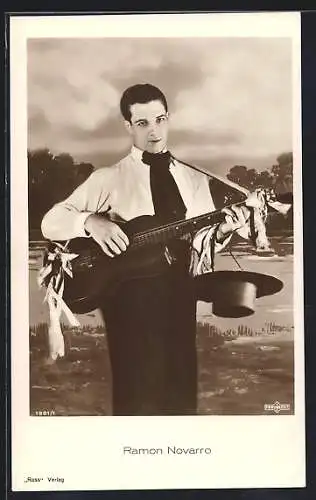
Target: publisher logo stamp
[(277, 407)]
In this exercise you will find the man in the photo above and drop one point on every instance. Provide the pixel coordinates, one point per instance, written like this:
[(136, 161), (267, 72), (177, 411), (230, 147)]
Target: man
[(150, 321)]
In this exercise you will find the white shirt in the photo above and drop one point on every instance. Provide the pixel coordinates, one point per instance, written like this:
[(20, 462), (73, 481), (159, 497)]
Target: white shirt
[(123, 192)]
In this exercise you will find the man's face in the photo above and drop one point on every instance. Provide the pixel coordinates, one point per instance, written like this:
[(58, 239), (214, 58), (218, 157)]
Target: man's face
[(149, 126)]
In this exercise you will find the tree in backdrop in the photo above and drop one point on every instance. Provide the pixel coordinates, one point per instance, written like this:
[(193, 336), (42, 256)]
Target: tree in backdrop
[(53, 177), (278, 177), (282, 173), (50, 180)]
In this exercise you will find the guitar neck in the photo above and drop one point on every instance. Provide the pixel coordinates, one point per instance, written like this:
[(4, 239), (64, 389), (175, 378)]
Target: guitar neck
[(177, 229)]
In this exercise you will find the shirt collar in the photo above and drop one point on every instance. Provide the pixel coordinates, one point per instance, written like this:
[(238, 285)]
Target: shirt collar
[(137, 153)]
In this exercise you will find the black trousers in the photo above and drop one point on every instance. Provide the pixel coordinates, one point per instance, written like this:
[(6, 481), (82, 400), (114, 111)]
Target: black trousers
[(151, 328)]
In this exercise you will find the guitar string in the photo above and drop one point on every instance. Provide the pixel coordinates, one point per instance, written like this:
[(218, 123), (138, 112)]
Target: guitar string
[(186, 221), (142, 238)]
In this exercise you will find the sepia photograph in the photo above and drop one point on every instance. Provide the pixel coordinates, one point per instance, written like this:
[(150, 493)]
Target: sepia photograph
[(139, 346), (163, 227)]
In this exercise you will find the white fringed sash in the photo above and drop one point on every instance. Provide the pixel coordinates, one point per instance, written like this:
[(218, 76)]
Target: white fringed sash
[(58, 262)]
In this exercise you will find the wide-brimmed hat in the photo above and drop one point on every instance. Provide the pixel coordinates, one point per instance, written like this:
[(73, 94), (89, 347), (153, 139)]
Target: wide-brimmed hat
[(233, 293)]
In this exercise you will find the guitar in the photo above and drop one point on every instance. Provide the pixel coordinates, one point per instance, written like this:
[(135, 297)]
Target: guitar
[(95, 274)]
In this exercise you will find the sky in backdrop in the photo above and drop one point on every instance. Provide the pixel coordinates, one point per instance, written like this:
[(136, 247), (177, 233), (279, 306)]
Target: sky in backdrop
[(230, 99)]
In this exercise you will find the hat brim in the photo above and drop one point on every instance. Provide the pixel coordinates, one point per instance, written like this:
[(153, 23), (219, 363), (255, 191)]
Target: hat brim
[(206, 284)]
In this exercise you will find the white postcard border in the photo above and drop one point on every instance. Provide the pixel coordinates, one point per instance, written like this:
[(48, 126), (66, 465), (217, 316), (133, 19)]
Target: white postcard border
[(264, 451)]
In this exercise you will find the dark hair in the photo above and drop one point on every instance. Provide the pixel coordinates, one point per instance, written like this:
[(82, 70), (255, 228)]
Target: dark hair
[(140, 93)]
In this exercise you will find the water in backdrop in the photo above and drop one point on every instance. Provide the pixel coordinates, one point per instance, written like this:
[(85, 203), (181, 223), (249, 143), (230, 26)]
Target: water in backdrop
[(274, 311)]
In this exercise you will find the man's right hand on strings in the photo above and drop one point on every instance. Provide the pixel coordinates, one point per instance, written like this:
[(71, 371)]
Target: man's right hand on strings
[(107, 234)]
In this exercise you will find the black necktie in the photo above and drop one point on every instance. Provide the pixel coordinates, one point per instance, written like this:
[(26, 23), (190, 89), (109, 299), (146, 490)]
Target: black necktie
[(167, 200)]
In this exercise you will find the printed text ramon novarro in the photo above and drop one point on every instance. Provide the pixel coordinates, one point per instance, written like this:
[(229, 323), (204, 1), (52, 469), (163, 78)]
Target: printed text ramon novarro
[(169, 450)]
